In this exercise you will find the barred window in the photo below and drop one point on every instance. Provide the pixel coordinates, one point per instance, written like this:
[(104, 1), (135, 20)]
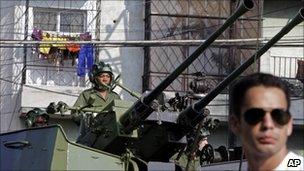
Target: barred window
[(72, 22), (48, 19), (45, 20)]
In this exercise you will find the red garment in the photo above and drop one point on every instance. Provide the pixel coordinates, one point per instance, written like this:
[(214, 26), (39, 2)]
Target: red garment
[(73, 47)]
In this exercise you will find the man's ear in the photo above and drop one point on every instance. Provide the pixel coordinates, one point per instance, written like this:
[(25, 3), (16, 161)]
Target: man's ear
[(234, 124)]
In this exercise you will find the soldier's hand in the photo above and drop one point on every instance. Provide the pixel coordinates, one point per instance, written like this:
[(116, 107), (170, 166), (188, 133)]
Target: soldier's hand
[(51, 109), (76, 116)]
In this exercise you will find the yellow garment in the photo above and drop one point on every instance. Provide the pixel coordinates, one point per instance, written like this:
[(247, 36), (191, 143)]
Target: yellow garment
[(45, 48), (60, 46)]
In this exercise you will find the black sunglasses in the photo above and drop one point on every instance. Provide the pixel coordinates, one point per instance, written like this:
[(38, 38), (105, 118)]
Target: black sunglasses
[(255, 115)]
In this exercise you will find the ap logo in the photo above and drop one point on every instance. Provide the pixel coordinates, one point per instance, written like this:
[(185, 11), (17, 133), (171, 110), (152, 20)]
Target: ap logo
[(293, 162)]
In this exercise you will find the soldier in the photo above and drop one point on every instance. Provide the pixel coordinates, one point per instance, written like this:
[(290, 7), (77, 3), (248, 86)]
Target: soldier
[(189, 158), (99, 96), (261, 118)]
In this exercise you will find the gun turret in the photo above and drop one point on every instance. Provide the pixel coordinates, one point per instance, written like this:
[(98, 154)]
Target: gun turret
[(118, 131), (122, 122), (142, 108)]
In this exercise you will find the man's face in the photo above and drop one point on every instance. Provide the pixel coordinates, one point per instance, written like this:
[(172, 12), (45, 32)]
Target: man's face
[(266, 137), (104, 78)]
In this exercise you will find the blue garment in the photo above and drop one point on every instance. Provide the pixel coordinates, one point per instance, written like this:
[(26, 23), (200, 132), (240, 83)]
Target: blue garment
[(85, 59)]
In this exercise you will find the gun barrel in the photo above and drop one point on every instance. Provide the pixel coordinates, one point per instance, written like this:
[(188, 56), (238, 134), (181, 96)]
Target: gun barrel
[(141, 110), (193, 112), (132, 93), (244, 7)]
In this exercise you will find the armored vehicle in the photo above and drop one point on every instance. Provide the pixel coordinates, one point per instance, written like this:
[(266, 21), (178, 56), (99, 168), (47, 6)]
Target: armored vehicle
[(128, 136)]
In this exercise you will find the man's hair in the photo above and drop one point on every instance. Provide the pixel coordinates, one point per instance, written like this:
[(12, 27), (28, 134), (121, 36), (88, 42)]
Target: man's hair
[(239, 89)]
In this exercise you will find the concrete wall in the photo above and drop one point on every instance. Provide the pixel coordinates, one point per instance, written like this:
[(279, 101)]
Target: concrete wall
[(123, 20), (9, 65)]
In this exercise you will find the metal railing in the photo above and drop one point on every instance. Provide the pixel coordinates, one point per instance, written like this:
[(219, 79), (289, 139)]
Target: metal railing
[(54, 76), (287, 68), (284, 66)]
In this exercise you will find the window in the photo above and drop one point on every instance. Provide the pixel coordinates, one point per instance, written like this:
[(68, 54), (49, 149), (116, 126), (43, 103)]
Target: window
[(72, 21), (45, 20)]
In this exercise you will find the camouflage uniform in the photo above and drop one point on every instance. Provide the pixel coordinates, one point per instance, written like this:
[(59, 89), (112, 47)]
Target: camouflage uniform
[(99, 101), (183, 161), (98, 104)]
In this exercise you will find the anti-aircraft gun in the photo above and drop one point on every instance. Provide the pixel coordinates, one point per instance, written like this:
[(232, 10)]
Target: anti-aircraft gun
[(128, 128), (123, 130), (159, 142), (125, 127)]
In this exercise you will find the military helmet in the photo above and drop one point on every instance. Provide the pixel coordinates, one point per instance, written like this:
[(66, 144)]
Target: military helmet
[(36, 117), (96, 70)]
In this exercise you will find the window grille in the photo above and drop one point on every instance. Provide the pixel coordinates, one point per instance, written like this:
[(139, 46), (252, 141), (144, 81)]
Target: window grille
[(48, 19), (72, 22), (45, 20)]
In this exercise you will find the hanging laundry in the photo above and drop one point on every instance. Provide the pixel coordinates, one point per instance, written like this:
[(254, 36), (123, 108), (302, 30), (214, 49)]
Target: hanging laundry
[(85, 56), (72, 47), (37, 34), (73, 50), (58, 52), (59, 45), (85, 59), (45, 48), (85, 36), (68, 55)]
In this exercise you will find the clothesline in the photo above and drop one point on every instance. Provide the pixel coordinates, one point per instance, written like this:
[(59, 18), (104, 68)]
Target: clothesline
[(151, 42)]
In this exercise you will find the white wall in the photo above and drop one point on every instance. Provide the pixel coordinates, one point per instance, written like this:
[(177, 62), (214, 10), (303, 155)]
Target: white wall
[(123, 20), (9, 66)]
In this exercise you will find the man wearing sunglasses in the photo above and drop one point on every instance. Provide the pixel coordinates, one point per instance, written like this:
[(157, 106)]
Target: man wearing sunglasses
[(261, 118)]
